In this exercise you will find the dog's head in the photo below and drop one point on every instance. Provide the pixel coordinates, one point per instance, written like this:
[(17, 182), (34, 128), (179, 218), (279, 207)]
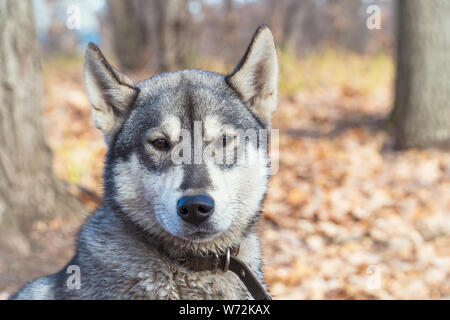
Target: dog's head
[(186, 156)]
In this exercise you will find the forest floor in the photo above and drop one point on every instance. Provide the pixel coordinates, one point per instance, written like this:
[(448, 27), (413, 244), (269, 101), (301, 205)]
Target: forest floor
[(346, 216)]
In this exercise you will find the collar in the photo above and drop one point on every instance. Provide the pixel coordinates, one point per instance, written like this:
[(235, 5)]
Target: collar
[(225, 262), (209, 262)]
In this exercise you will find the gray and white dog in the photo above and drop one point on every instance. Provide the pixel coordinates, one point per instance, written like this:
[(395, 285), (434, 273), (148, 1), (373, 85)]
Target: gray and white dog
[(157, 211)]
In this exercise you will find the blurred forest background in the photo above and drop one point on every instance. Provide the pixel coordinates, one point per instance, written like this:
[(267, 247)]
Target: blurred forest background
[(359, 208)]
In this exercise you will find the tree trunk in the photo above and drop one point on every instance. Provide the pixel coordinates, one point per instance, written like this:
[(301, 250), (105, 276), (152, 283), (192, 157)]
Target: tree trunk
[(28, 187), (177, 37), (421, 116), (229, 26), (292, 20), (129, 33), (161, 29)]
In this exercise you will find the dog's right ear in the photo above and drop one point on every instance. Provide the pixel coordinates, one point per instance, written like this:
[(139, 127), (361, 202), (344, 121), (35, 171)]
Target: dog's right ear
[(111, 93), (255, 77)]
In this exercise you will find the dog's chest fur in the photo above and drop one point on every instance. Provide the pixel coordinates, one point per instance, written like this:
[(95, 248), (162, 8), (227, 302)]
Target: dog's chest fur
[(114, 265), (144, 272), (173, 283)]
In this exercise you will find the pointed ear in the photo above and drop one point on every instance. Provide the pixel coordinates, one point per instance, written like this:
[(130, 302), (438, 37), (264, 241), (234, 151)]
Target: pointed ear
[(255, 78), (111, 93)]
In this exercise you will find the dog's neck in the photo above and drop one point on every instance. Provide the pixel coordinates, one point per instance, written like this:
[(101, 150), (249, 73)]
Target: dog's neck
[(199, 260)]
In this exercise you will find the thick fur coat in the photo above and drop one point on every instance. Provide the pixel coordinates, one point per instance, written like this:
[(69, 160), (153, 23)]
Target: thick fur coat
[(128, 249)]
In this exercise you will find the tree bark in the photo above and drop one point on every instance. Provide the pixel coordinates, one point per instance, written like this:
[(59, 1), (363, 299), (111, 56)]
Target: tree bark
[(421, 115), (130, 38), (28, 188), (161, 29), (177, 38)]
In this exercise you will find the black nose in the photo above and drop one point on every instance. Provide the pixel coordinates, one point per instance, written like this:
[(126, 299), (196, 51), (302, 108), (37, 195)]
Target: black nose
[(195, 209)]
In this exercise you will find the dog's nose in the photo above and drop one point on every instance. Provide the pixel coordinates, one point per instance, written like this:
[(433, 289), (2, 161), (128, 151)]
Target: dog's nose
[(195, 209)]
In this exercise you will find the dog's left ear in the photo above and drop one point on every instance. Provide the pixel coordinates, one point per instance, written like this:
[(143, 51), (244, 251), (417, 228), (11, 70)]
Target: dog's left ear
[(110, 92), (255, 77)]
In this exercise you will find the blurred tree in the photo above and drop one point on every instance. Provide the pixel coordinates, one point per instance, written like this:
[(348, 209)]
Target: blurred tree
[(229, 25), (161, 29), (175, 31), (421, 116), (28, 188), (130, 37), (349, 24), (295, 21), (292, 18)]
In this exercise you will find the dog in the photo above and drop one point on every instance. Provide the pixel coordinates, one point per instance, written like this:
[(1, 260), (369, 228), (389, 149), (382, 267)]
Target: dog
[(167, 228)]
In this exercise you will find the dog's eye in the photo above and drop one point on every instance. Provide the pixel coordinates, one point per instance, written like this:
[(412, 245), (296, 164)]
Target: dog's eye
[(160, 144)]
